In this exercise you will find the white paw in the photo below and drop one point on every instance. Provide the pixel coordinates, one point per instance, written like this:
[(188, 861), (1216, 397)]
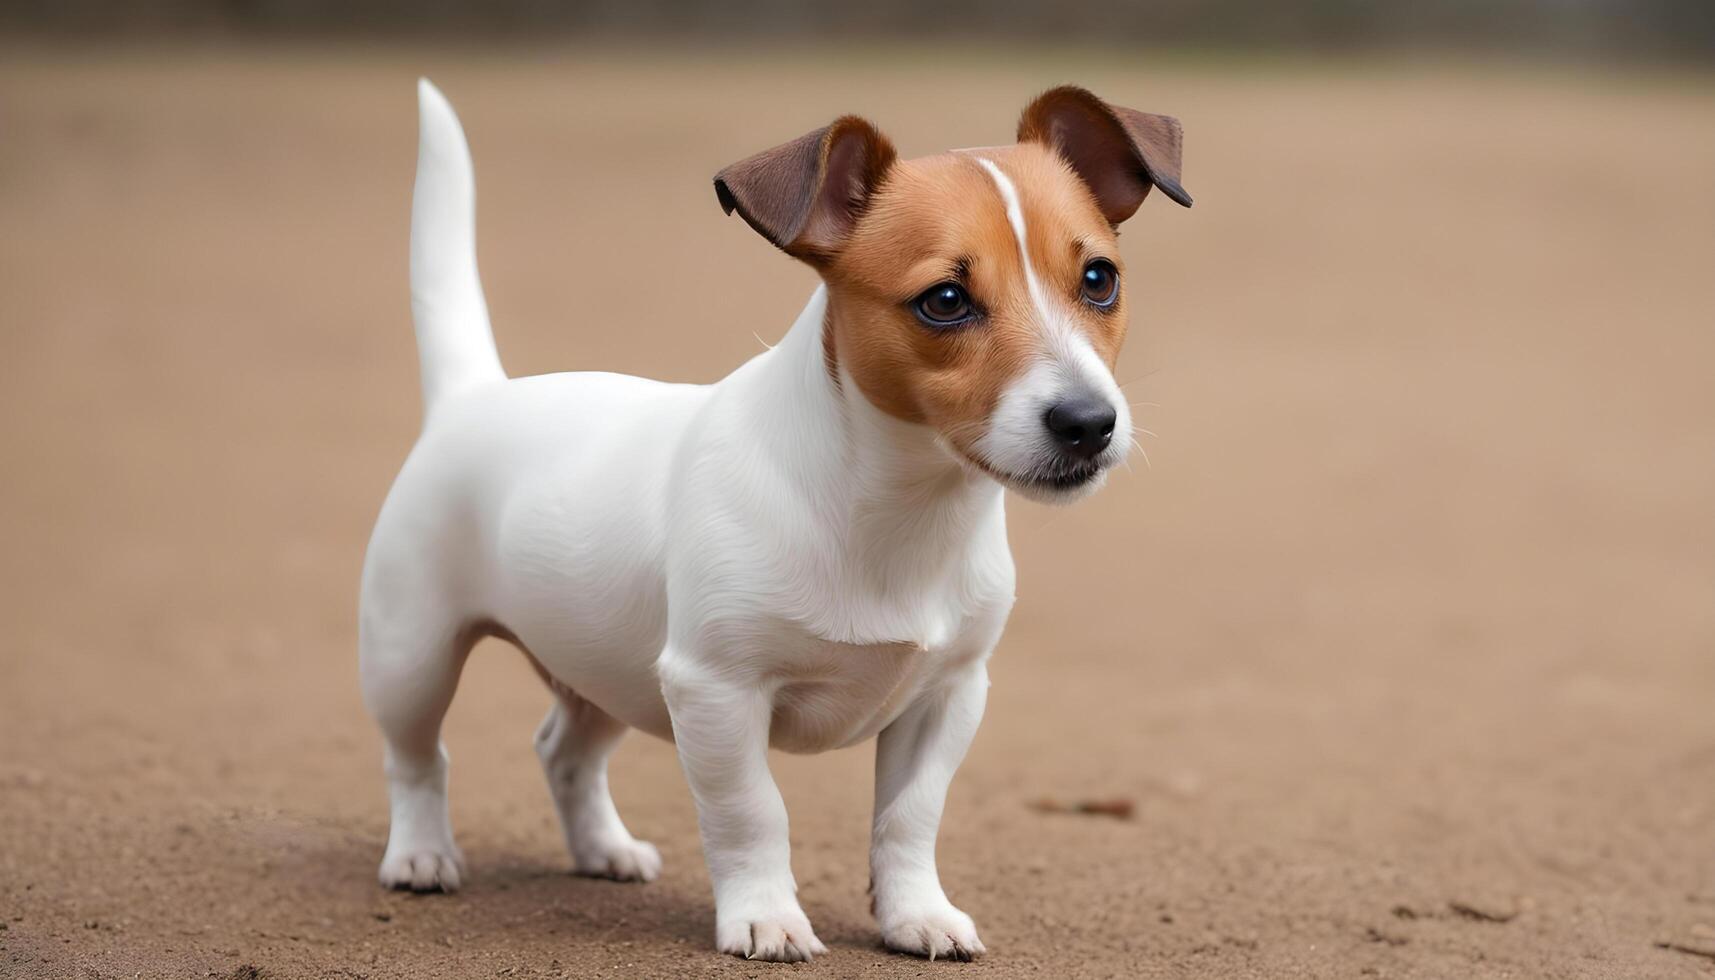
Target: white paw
[(620, 860), (423, 869), (941, 932), (783, 936)]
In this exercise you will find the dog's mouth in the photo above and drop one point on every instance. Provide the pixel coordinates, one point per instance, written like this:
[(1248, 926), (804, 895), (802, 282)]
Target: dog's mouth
[(1052, 482), (1061, 479)]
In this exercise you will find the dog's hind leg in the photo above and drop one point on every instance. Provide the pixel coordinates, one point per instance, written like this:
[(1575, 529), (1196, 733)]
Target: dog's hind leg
[(574, 743), (410, 656)]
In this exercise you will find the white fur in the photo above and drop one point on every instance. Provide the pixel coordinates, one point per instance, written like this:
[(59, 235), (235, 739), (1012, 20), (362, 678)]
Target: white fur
[(765, 561), (1016, 441), (454, 343)]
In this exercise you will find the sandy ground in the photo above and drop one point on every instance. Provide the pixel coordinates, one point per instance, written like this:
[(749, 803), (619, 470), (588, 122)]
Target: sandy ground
[(1404, 646)]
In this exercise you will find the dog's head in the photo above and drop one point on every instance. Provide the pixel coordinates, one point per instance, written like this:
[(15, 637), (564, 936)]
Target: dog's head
[(979, 292)]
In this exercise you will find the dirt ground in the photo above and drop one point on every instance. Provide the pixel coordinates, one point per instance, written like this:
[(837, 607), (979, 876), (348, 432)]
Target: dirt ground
[(1404, 645)]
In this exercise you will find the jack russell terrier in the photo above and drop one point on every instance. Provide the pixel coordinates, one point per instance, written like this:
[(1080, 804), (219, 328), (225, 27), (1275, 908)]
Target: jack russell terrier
[(807, 554)]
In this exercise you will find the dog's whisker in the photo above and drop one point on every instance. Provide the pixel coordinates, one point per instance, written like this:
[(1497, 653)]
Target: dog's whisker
[(1144, 452), (1139, 428), (1053, 517)]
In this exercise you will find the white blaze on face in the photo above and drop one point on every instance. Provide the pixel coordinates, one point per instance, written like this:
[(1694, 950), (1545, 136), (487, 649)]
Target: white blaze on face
[(1018, 441)]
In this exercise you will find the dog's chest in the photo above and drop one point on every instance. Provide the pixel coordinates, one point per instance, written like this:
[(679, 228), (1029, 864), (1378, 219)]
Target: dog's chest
[(830, 694), (846, 666)]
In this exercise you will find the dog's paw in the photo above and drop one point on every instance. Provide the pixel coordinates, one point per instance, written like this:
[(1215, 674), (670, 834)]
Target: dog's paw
[(940, 933), (618, 860), (423, 869), (784, 936)]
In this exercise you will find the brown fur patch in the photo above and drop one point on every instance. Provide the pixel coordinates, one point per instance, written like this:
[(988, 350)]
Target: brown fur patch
[(1066, 230), (943, 218)]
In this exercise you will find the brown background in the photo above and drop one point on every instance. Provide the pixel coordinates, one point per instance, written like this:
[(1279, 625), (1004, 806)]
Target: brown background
[(1413, 612)]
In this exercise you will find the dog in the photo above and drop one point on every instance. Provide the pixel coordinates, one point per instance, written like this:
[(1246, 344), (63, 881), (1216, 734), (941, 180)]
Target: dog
[(807, 554)]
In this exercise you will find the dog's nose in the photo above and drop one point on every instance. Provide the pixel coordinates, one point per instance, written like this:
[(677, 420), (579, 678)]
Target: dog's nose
[(1082, 425)]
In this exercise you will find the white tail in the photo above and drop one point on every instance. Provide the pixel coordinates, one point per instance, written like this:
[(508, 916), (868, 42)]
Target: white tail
[(455, 343)]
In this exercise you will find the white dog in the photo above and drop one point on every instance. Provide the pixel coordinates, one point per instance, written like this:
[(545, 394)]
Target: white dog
[(807, 554)]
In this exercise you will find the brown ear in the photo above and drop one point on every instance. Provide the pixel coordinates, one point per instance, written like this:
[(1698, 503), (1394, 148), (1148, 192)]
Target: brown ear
[(805, 196), (1120, 153)]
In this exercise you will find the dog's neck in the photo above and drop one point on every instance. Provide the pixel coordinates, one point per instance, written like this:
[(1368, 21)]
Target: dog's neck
[(891, 488)]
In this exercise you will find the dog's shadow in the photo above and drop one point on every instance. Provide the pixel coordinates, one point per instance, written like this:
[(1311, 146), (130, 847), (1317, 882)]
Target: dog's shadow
[(513, 892), (518, 897)]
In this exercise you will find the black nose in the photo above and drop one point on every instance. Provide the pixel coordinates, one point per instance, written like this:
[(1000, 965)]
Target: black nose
[(1083, 426)]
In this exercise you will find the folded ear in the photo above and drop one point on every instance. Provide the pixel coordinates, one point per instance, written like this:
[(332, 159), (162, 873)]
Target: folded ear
[(805, 196), (1120, 153)]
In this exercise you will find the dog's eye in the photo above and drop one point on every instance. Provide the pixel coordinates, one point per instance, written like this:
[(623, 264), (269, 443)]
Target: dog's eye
[(943, 305), (1101, 283)]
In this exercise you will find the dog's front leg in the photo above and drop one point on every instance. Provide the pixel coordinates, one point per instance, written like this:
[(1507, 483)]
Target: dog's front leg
[(720, 724), (915, 758)]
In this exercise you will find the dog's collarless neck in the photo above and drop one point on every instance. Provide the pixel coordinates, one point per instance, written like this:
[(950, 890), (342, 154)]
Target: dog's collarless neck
[(863, 460)]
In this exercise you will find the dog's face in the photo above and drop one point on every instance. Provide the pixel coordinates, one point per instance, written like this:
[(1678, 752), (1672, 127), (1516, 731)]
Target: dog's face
[(982, 293), (979, 292)]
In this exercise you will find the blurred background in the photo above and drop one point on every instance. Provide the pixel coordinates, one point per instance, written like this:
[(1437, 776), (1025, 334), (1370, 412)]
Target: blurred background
[(1400, 646), (1636, 28)]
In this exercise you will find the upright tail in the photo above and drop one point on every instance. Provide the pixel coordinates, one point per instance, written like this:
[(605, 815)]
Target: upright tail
[(454, 340)]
